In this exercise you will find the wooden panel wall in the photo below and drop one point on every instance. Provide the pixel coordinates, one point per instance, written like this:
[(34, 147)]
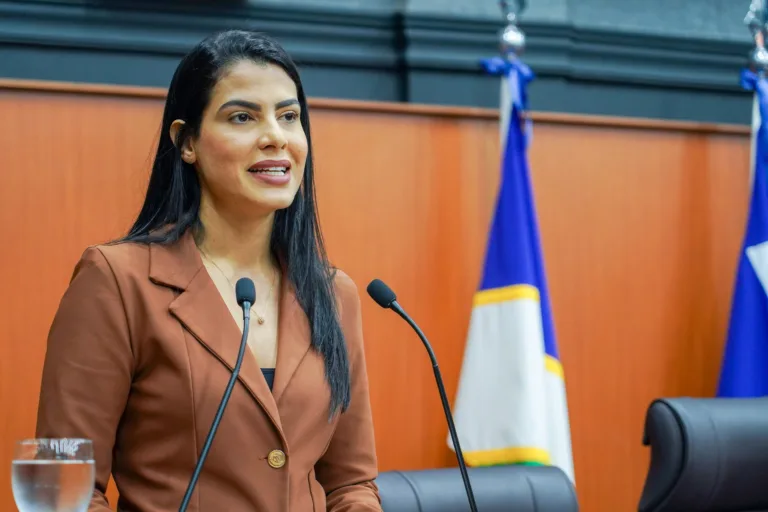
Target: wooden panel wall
[(641, 225)]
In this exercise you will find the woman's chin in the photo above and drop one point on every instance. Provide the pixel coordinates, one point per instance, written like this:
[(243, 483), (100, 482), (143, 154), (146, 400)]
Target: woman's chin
[(273, 201)]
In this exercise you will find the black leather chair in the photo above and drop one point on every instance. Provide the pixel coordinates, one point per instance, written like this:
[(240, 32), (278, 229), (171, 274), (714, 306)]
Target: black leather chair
[(496, 489), (707, 455)]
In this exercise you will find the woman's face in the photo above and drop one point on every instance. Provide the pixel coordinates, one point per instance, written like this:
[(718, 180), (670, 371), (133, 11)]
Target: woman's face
[(251, 149)]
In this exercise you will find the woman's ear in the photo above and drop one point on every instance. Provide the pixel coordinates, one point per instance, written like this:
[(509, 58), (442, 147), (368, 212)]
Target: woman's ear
[(187, 149)]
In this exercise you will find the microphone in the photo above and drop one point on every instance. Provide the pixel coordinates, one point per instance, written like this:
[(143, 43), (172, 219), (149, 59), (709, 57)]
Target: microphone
[(245, 291), (386, 298)]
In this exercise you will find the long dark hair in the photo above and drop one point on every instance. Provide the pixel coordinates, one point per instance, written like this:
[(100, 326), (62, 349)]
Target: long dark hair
[(172, 203)]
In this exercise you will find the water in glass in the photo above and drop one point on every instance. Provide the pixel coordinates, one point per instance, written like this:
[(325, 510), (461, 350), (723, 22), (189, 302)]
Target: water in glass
[(53, 475)]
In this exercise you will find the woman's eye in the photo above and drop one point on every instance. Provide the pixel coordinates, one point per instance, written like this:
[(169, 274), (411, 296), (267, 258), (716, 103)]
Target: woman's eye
[(241, 117), (291, 116)]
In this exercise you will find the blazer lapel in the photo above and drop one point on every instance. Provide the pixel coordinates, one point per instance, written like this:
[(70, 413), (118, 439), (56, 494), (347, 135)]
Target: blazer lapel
[(293, 339), (204, 314)]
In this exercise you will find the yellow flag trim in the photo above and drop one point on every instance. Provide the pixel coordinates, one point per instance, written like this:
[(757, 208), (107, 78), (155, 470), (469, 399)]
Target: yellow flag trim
[(507, 456), (508, 293), (517, 292)]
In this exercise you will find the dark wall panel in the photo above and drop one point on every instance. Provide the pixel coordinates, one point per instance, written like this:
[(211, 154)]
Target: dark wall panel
[(588, 59)]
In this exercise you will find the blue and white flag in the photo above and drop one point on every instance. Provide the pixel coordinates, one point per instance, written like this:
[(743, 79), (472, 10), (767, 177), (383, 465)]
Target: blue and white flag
[(744, 371), (511, 403)]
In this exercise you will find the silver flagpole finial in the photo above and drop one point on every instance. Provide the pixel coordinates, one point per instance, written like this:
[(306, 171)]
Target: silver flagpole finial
[(512, 39), (757, 22)]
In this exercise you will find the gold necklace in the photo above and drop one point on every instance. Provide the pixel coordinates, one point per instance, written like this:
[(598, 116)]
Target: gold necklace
[(259, 318)]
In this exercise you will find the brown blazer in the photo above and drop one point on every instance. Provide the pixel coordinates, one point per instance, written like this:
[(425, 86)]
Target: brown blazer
[(138, 358)]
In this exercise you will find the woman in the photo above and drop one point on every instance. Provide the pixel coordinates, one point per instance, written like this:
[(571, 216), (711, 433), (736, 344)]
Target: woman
[(143, 343)]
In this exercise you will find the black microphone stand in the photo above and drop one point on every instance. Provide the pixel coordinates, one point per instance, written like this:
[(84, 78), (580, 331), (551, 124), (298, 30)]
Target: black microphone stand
[(246, 305), (446, 406)]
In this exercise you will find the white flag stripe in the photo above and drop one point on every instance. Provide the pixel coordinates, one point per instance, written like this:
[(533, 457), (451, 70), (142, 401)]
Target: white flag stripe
[(758, 259), (497, 385), (559, 427)]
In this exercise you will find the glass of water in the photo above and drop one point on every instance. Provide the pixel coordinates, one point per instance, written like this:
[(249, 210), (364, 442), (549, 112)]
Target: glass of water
[(53, 475)]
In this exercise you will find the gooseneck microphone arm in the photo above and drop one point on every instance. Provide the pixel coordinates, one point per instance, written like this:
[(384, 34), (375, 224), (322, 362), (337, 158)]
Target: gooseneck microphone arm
[(386, 298), (246, 296)]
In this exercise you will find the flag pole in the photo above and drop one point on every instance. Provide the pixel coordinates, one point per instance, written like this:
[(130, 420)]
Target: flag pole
[(743, 371), (756, 21), (511, 46), (511, 405)]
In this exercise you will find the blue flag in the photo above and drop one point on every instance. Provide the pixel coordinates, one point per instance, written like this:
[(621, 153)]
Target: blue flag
[(745, 363), (511, 405)]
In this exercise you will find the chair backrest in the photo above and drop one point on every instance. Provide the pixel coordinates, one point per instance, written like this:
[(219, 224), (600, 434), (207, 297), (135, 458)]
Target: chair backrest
[(707, 455), (496, 489)]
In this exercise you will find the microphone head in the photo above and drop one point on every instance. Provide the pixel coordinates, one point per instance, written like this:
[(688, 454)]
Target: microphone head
[(245, 291), (381, 293)]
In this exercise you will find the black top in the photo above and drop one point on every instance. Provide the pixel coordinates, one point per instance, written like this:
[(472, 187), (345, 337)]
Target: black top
[(269, 376)]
